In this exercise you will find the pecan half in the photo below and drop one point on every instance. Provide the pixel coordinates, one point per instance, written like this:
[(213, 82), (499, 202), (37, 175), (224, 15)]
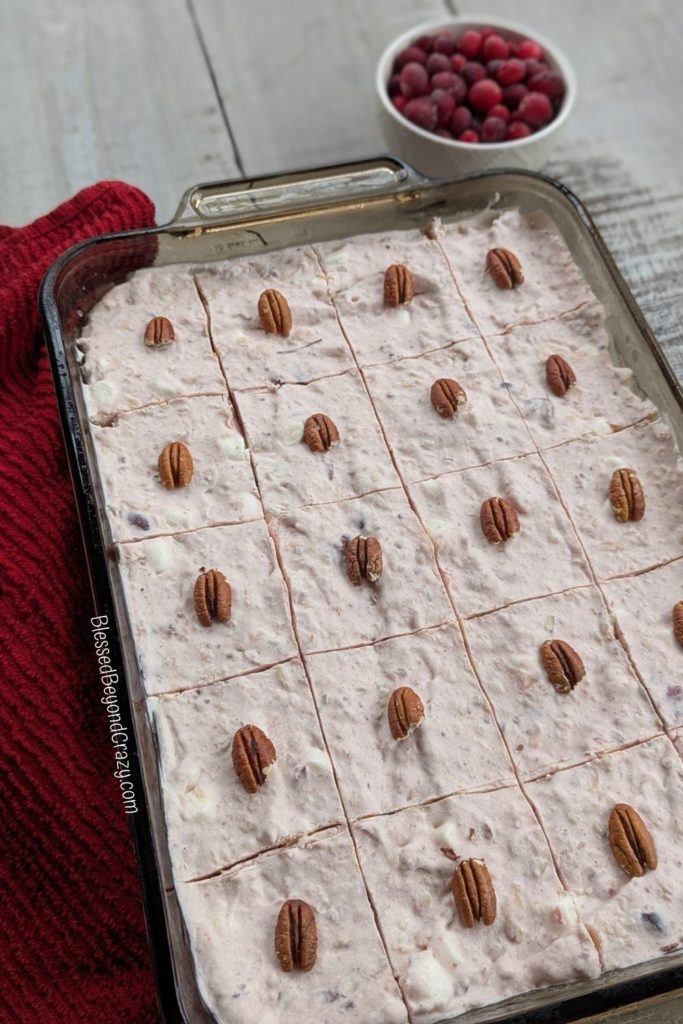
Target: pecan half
[(274, 312), (159, 332), (473, 892), (253, 755), (562, 664), (212, 597), (405, 711), (320, 433), (504, 268), (499, 520), (626, 496), (296, 936), (631, 842), (398, 285), (363, 560), (447, 396), (677, 616), (559, 375), (175, 465)]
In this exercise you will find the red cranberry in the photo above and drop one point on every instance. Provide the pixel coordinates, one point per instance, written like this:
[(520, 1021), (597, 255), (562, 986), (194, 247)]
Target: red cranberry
[(469, 136), (394, 86), (492, 67), (399, 101), (493, 129), (414, 80), (534, 67), (535, 109), (458, 61), (548, 82), (437, 62), (529, 48), (517, 130), (445, 42), (445, 105), (444, 133), (461, 120), (425, 43), (473, 72), (421, 112), (513, 95), (485, 94), (475, 125), (500, 111), (470, 44), (511, 71), (411, 55), (495, 46), (486, 32), (451, 82)]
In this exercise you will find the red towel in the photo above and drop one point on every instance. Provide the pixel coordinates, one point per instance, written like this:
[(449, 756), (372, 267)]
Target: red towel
[(73, 948)]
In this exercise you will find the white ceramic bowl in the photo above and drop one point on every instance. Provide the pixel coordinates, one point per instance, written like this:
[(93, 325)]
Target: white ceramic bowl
[(448, 158)]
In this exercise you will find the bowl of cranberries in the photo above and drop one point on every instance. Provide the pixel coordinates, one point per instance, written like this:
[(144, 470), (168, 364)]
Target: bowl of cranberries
[(465, 95)]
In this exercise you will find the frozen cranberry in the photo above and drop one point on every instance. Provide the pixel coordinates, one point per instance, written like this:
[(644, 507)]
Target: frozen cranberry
[(437, 62), (495, 46), (421, 112), (535, 109), (486, 32), (485, 94), (412, 55), (493, 129), (394, 86), (513, 95), (444, 133), (445, 105), (445, 42), (414, 80), (534, 67), (475, 125), (473, 72), (425, 43), (461, 120), (548, 82), (492, 67), (469, 136), (458, 61), (529, 48), (517, 130), (399, 101), (511, 71), (500, 111), (470, 44), (451, 82)]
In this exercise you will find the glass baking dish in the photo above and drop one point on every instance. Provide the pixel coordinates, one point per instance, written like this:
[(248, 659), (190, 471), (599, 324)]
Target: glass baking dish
[(222, 220)]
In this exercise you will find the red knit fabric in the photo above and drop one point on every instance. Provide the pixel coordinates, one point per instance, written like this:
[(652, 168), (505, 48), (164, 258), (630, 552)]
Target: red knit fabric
[(73, 947)]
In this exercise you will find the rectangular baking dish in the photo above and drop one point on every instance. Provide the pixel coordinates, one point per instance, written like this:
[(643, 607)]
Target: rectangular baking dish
[(222, 220)]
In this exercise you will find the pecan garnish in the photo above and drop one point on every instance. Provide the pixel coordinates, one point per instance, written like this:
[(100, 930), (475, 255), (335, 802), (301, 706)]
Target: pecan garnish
[(473, 892), (559, 375), (499, 520), (405, 712), (274, 312), (678, 622), (253, 755), (562, 664), (626, 495), (175, 465), (447, 396), (320, 433), (158, 332), (631, 841), (363, 560), (212, 597), (296, 936), (398, 285), (504, 268)]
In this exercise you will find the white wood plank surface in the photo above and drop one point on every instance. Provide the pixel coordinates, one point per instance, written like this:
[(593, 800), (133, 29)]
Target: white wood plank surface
[(104, 89)]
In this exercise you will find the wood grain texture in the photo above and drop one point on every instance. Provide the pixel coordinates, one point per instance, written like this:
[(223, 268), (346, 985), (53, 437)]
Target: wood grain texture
[(96, 89)]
